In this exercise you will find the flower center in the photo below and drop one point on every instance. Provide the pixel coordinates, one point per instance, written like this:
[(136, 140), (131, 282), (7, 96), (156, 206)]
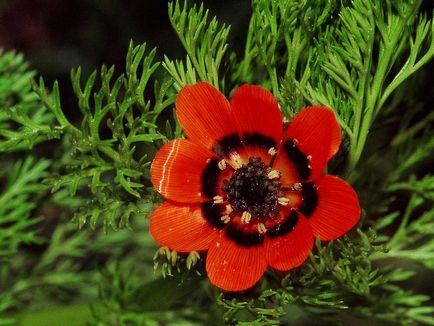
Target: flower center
[(253, 188)]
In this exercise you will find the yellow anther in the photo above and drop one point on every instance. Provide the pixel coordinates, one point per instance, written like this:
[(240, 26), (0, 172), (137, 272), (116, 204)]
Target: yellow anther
[(273, 174), (229, 209), (283, 201), (261, 228), (272, 151), (225, 219), (237, 163), (218, 199), (222, 165), (246, 217), (297, 186)]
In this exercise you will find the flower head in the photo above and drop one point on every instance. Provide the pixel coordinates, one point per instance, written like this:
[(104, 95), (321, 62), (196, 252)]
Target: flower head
[(245, 190)]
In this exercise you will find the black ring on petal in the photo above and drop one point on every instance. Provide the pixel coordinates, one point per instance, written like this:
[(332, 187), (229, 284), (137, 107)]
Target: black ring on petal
[(243, 238), (285, 227), (258, 139), (209, 178), (298, 158), (309, 196), (233, 142), (212, 214), (227, 145)]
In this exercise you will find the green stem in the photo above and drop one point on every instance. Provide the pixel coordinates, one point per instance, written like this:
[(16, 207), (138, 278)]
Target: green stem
[(110, 152), (406, 72), (245, 65), (372, 104), (274, 82)]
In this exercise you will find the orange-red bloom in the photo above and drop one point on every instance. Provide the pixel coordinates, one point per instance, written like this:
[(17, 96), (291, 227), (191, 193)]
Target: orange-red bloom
[(245, 190)]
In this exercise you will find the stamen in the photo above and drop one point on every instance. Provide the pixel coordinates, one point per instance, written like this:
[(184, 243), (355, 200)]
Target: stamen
[(297, 186), (273, 174), (252, 190), (272, 151), (218, 199), (246, 217), (225, 219), (222, 165), (286, 120), (261, 228), (309, 157), (237, 163), (283, 201)]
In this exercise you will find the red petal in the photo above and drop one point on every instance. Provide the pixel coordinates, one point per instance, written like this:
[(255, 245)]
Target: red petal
[(204, 114), (318, 134), (338, 209), (256, 112), (287, 168), (181, 228), (247, 151), (290, 250), (232, 267), (177, 168)]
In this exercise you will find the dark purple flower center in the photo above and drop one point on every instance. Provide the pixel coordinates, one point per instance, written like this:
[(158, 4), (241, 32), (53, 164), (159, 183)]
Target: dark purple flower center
[(250, 189)]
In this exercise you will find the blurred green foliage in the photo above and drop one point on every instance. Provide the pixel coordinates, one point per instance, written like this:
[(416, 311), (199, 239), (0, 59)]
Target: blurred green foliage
[(59, 177)]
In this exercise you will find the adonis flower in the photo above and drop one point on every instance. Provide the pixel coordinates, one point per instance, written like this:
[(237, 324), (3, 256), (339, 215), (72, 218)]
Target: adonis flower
[(245, 190)]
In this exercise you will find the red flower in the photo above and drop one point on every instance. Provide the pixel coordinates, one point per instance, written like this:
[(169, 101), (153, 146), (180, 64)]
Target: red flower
[(245, 190)]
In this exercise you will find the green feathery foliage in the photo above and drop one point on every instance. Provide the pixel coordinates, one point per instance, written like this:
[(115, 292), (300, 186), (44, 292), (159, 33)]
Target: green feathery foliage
[(351, 63), (111, 151), (24, 122), (63, 270), (364, 59), (17, 202), (17, 223), (204, 41), (340, 66)]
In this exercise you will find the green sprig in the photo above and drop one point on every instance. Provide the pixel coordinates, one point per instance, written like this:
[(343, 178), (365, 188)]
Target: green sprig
[(205, 42), (108, 166)]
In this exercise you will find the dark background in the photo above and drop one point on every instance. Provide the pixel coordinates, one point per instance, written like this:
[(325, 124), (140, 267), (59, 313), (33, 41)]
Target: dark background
[(57, 35)]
